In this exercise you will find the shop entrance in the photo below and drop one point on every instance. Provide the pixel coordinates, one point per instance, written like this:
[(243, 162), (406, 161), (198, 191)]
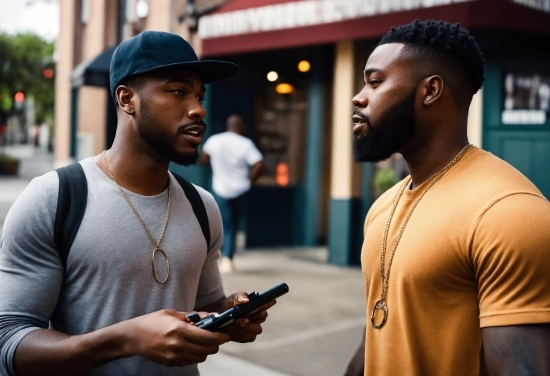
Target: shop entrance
[(284, 97)]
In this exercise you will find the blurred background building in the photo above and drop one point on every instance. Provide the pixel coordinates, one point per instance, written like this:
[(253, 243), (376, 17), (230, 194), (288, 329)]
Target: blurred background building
[(301, 63)]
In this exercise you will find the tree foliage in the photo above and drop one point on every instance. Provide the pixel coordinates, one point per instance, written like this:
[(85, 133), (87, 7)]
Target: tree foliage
[(23, 59)]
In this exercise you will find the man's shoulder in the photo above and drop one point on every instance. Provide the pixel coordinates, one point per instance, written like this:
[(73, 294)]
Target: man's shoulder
[(212, 210), (213, 141), (206, 196), (229, 135), (35, 206), (219, 136), (42, 187), (494, 177)]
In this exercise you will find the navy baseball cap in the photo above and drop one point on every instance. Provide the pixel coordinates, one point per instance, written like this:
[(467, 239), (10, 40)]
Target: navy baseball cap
[(152, 50)]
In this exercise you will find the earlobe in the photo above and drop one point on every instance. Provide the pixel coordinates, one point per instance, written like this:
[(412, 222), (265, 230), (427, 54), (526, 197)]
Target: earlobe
[(124, 98), (433, 89)]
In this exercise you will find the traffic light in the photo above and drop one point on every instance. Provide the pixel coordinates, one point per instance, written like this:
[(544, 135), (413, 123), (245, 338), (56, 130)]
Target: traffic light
[(19, 97), (47, 73)]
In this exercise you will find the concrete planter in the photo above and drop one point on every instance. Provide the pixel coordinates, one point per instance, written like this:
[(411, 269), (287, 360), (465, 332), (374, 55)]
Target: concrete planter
[(8, 165)]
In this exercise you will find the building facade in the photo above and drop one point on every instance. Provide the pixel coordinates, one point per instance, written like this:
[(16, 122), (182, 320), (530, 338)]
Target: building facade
[(301, 63)]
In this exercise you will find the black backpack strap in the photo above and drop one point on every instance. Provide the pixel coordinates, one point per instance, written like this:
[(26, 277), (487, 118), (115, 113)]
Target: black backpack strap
[(197, 205), (71, 205)]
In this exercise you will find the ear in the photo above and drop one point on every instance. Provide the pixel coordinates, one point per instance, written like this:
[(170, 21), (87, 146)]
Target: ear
[(125, 97), (432, 89)]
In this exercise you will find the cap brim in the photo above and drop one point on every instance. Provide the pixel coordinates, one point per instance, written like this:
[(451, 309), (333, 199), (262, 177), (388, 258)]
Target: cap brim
[(210, 70)]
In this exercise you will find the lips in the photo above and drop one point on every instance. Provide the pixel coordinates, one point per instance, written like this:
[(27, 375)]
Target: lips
[(193, 133), (359, 123)]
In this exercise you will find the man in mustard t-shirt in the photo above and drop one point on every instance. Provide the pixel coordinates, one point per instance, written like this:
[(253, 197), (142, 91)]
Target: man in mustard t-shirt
[(456, 257)]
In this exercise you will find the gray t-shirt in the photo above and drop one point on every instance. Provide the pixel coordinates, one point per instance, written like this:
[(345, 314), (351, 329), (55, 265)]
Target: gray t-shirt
[(108, 277)]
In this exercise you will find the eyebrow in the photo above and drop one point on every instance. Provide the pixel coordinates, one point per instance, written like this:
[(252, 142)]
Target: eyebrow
[(372, 70), (186, 81)]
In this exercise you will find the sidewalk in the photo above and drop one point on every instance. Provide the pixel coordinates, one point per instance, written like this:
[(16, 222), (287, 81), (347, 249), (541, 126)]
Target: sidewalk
[(315, 328), (32, 163), (311, 331)]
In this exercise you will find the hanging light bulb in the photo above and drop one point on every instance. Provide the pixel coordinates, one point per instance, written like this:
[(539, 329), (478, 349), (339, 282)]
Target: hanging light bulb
[(304, 66), (272, 76)]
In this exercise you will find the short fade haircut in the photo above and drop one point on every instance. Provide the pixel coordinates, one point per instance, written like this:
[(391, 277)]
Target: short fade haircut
[(448, 42), (136, 82)]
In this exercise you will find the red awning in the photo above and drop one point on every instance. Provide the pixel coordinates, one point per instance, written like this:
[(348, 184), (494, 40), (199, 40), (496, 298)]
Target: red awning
[(474, 14)]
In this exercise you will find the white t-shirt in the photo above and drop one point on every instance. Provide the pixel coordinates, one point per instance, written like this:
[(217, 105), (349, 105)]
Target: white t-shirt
[(231, 156)]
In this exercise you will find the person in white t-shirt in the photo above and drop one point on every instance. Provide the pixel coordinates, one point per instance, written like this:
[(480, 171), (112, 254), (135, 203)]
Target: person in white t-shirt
[(236, 164)]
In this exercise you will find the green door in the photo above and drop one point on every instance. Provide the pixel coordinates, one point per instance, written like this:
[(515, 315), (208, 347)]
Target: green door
[(526, 150), (516, 120)]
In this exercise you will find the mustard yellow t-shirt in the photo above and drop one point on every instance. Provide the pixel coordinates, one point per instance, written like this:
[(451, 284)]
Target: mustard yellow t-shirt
[(475, 253)]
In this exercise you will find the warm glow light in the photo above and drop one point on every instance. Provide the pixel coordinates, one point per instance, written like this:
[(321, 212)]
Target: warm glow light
[(19, 97), (272, 76), (281, 174), (304, 66), (284, 88)]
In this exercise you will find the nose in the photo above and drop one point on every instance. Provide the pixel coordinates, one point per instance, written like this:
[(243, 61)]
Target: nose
[(196, 111), (361, 99)]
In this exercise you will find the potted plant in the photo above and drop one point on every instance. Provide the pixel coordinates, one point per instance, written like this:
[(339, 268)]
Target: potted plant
[(384, 179), (9, 165)]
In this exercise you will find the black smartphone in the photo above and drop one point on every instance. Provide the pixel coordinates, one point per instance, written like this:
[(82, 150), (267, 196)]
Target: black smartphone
[(215, 323)]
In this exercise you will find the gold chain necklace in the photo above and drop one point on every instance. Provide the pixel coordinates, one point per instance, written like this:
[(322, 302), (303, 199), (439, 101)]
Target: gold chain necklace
[(155, 243), (385, 273)]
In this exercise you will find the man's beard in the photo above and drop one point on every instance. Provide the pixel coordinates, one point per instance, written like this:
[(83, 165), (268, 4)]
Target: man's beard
[(389, 135), (158, 139)]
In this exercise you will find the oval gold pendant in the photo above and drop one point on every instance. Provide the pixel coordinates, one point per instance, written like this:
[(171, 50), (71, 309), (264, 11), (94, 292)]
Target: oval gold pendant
[(380, 305), (167, 265)]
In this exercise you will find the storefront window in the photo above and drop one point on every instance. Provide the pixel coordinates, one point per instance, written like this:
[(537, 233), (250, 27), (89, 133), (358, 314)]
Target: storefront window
[(526, 98), (280, 132)]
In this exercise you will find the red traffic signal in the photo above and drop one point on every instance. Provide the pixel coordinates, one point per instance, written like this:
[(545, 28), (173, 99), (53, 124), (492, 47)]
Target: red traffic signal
[(48, 73), (19, 97)]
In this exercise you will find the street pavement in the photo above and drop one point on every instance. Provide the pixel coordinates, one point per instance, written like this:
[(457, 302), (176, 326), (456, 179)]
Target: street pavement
[(311, 331)]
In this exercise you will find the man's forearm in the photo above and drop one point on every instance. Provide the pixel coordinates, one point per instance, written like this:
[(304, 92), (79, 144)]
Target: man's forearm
[(48, 352), (256, 171), (356, 366)]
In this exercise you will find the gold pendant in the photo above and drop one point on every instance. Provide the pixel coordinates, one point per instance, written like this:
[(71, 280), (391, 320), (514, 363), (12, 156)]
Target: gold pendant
[(157, 249), (380, 305)]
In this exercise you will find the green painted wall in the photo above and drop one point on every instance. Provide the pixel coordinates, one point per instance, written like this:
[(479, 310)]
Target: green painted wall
[(74, 121), (344, 229), (310, 201)]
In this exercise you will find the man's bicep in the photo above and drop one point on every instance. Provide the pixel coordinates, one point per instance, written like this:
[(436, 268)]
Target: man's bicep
[(511, 258), (31, 273), (517, 350)]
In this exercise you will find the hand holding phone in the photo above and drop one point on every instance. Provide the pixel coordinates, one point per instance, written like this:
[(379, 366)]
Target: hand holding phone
[(215, 323)]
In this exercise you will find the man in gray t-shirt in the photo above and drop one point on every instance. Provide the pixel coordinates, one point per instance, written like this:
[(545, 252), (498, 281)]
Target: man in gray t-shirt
[(107, 311)]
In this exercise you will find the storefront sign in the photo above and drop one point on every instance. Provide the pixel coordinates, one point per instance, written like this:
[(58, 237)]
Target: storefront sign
[(536, 4), (304, 13), (526, 98)]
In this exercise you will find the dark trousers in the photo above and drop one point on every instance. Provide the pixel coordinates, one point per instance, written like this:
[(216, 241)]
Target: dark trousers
[(232, 211)]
